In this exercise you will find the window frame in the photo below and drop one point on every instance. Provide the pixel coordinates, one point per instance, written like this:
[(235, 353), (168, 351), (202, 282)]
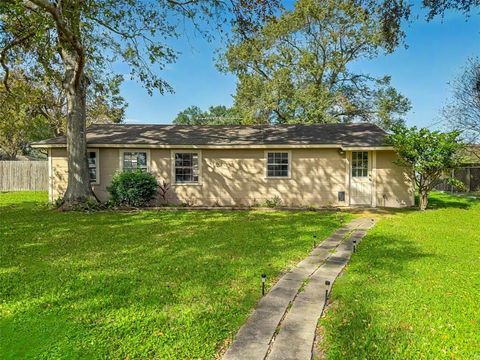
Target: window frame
[(122, 155), (363, 168), (289, 176), (97, 165), (173, 176)]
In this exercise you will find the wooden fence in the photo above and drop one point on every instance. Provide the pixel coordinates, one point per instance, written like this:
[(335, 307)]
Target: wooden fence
[(468, 175), (23, 175)]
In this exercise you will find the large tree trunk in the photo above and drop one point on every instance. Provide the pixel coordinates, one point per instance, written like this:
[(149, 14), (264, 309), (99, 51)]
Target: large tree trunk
[(79, 190)]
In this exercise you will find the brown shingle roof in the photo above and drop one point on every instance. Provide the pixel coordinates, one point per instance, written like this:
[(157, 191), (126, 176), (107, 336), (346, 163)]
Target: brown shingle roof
[(347, 135)]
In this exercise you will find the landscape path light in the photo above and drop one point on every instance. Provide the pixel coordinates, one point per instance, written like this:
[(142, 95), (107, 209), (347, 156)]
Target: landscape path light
[(264, 278), (327, 284)]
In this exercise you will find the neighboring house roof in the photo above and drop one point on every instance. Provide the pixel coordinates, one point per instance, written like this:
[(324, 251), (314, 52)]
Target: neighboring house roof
[(337, 135)]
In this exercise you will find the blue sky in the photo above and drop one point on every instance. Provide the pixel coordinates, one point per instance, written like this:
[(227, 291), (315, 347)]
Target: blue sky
[(435, 55)]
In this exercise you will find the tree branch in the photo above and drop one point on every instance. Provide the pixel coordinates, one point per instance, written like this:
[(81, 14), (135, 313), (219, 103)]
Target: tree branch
[(3, 56), (181, 3), (65, 31)]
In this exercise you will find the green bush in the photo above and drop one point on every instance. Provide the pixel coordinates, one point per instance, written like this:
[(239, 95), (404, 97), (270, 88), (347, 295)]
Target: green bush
[(273, 202), (133, 188), (457, 184)]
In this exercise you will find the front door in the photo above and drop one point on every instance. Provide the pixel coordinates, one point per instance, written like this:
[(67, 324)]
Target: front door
[(360, 179)]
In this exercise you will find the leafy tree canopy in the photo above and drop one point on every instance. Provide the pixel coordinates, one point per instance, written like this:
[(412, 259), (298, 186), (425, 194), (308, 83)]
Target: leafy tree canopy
[(394, 12), (297, 68), (32, 110), (136, 33), (438, 7), (426, 155), (104, 104), (215, 115), (20, 122)]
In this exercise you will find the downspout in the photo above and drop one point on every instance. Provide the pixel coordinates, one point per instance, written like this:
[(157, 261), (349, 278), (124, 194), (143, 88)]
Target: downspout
[(50, 177)]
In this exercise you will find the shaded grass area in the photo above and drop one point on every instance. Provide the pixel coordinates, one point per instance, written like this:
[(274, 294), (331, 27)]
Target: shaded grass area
[(149, 284), (412, 290)]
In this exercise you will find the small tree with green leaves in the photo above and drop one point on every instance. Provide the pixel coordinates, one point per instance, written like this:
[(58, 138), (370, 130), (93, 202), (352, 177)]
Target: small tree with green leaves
[(426, 155)]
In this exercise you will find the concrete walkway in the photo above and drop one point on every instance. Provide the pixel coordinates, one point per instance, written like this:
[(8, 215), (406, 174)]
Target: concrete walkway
[(284, 322)]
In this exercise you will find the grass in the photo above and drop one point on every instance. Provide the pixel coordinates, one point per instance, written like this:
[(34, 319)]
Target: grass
[(148, 284), (412, 290)]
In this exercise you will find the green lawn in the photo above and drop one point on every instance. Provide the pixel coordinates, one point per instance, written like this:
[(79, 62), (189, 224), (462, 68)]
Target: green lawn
[(137, 285), (412, 291)]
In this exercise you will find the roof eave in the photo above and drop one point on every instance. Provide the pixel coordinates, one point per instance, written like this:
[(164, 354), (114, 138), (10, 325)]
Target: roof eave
[(368, 148), (226, 146), (46, 146)]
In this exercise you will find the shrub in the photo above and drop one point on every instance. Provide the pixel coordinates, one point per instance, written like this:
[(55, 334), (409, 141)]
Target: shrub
[(273, 202), (457, 184), (133, 188)]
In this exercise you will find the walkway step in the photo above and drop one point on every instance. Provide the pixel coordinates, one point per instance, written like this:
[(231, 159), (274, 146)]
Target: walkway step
[(257, 335)]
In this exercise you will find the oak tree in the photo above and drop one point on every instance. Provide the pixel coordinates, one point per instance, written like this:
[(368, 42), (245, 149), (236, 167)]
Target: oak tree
[(82, 38), (298, 67)]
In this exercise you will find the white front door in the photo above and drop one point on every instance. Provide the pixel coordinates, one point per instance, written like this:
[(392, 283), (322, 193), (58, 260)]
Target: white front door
[(360, 178)]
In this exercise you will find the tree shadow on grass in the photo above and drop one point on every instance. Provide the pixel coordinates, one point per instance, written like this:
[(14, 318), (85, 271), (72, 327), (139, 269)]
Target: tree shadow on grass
[(398, 300), (23, 198), (351, 328), (438, 200), (146, 284)]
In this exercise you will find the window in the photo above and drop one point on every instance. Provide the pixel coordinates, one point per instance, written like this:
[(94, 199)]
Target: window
[(92, 157), (359, 164), (186, 168), (278, 164), (134, 160)]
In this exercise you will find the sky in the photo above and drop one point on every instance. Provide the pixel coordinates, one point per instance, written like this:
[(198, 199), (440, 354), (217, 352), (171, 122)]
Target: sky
[(435, 54)]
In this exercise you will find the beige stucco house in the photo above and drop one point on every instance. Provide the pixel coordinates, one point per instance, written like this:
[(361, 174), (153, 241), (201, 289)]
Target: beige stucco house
[(303, 165)]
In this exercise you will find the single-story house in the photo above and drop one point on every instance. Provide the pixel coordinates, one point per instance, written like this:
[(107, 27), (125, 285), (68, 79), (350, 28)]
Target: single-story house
[(303, 165)]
